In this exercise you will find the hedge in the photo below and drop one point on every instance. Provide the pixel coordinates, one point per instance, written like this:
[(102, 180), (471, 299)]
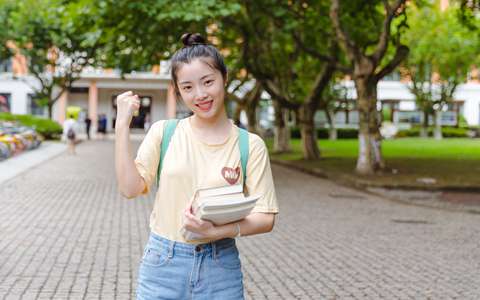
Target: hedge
[(49, 129), (323, 133), (447, 132), (351, 133)]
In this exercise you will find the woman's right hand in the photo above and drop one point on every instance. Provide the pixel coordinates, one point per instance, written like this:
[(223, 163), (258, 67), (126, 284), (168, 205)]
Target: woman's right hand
[(127, 105)]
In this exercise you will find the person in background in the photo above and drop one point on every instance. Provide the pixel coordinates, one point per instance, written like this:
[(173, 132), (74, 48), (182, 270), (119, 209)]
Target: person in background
[(88, 124), (70, 133), (147, 122), (102, 125)]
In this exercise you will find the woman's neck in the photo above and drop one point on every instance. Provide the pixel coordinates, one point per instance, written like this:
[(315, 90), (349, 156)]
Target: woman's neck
[(211, 124), (212, 131)]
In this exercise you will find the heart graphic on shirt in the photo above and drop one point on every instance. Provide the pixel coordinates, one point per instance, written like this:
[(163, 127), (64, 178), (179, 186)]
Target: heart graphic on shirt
[(231, 175)]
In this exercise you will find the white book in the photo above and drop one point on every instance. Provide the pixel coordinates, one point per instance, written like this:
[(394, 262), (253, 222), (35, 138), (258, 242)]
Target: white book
[(221, 205), (222, 190), (225, 213)]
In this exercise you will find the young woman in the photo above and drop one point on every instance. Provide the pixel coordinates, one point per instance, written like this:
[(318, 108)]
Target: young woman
[(202, 150)]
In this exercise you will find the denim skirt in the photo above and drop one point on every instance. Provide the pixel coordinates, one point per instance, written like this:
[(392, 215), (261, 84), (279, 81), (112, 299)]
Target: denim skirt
[(174, 270)]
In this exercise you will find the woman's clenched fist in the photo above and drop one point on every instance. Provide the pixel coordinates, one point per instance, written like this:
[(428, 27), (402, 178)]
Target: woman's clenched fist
[(127, 105)]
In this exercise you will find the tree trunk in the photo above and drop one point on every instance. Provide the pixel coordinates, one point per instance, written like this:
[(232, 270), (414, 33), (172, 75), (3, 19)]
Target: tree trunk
[(332, 131), (251, 110), (438, 125), (424, 129), (236, 114), (281, 140), (308, 132), (50, 110), (369, 138)]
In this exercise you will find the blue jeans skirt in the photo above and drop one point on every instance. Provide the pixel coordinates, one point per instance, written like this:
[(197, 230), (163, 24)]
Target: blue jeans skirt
[(174, 270)]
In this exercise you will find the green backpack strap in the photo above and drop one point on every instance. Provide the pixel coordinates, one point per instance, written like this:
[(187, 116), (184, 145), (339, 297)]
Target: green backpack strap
[(243, 145), (168, 131)]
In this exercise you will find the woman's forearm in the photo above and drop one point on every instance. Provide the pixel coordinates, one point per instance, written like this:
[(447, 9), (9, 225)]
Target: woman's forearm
[(254, 223), (130, 183)]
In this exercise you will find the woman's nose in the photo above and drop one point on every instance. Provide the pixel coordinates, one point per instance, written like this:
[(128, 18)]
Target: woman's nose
[(200, 93)]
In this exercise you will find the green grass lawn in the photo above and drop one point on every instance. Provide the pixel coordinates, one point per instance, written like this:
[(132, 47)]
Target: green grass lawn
[(451, 162)]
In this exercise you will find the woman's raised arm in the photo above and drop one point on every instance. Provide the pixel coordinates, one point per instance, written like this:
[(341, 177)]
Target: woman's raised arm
[(130, 183)]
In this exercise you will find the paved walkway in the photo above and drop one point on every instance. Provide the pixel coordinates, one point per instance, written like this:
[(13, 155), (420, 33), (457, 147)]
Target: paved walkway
[(65, 233), (28, 159)]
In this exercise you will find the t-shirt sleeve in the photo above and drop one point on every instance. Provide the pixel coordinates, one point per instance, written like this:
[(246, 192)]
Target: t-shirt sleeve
[(259, 176), (148, 155)]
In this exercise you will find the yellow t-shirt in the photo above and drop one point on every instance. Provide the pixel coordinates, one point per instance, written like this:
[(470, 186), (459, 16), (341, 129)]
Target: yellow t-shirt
[(190, 164)]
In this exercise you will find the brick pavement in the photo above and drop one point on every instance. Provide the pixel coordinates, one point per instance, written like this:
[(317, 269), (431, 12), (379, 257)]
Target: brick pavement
[(65, 233)]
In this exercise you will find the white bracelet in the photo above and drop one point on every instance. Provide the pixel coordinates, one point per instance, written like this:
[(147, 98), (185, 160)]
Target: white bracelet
[(238, 230)]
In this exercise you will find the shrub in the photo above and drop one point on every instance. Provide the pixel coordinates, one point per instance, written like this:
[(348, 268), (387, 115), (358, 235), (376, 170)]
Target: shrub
[(49, 129), (323, 133), (453, 132), (447, 132)]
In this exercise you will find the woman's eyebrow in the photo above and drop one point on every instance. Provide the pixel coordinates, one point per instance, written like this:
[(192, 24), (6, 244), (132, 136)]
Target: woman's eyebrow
[(209, 74), (201, 78)]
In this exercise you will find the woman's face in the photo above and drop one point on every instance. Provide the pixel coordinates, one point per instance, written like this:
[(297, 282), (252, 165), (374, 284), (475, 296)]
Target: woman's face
[(202, 89)]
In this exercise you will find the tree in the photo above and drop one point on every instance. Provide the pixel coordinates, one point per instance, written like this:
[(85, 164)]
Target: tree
[(294, 79), (6, 8), (468, 14), (139, 34), (335, 100), (439, 60), (364, 31), (251, 93), (59, 40)]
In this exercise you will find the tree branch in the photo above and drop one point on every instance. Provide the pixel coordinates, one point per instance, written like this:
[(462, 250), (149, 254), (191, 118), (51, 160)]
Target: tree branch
[(313, 52), (400, 54), (346, 42), (276, 94), (390, 13)]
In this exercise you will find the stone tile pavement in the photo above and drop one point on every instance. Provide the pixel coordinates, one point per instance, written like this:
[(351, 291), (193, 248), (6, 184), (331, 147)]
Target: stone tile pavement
[(66, 233)]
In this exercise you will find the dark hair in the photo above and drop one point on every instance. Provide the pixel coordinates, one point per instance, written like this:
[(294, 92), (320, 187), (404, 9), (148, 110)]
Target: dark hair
[(194, 46)]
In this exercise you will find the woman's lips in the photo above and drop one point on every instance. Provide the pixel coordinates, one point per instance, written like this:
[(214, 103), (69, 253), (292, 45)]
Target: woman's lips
[(205, 106)]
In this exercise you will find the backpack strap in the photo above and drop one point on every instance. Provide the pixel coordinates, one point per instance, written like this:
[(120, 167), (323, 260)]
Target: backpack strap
[(168, 131), (243, 145)]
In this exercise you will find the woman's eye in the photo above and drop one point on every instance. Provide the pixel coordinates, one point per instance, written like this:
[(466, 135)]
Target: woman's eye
[(208, 82), (186, 88)]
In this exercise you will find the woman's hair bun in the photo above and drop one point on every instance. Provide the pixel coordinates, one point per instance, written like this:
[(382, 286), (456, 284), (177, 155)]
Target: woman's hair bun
[(191, 39)]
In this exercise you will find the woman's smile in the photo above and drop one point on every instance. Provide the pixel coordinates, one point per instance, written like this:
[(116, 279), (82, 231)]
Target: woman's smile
[(205, 106)]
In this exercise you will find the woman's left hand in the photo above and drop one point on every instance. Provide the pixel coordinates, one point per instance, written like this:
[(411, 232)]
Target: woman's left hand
[(196, 225)]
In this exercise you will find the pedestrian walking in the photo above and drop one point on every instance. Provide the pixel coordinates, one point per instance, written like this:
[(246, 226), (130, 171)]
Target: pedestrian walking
[(203, 152), (70, 133), (88, 124)]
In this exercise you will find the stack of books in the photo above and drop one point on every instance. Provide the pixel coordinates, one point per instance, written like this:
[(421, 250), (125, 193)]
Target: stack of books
[(221, 205)]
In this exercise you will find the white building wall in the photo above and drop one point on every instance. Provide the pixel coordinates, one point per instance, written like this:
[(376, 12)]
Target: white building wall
[(470, 92), (388, 90), (19, 94)]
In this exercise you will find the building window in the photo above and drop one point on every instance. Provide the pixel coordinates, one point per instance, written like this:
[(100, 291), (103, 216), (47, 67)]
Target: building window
[(6, 65), (394, 76), (5, 102), (34, 108)]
